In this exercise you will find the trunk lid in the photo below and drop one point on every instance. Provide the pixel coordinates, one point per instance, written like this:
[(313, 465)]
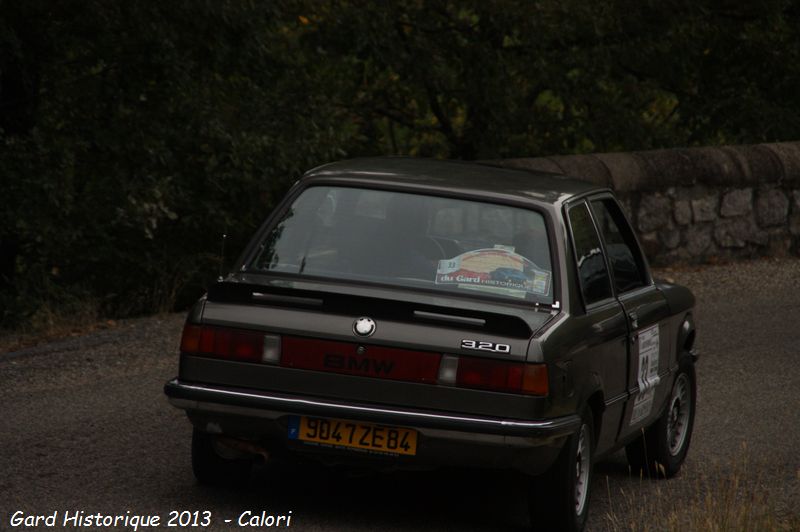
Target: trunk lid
[(415, 322)]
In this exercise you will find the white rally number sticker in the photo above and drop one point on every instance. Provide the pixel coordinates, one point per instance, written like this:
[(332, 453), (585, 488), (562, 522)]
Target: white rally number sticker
[(647, 375)]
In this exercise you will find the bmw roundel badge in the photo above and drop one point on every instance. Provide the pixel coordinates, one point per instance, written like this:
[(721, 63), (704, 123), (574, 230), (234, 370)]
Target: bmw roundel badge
[(364, 327)]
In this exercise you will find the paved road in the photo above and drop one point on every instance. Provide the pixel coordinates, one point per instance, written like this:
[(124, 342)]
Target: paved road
[(84, 426)]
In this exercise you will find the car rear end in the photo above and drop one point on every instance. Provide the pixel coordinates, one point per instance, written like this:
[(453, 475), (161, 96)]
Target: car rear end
[(387, 328)]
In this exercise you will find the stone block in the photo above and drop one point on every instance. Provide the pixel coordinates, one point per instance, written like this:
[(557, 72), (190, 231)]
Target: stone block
[(584, 167), (726, 235), (670, 238), (794, 224), (698, 239), (737, 202), (788, 156), (705, 209), (681, 254), (780, 243), (714, 166), (667, 168), (654, 212), (737, 232), (683, 212), (626, 171), (756, 164), (772, 207), (758, 237)]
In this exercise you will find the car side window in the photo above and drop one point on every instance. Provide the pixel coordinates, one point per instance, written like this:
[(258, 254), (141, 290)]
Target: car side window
[(627, 264), (592, 272)]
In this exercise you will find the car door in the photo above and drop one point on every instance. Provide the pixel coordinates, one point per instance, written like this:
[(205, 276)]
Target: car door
[(645, 309), (602, 327)]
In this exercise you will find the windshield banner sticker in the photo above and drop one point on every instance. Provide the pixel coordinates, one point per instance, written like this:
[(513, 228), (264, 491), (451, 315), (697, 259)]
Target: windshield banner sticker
[(648, 374), (497, 268)]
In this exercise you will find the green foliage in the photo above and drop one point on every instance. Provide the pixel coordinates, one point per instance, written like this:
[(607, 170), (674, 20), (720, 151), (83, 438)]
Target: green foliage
[(133, 134)]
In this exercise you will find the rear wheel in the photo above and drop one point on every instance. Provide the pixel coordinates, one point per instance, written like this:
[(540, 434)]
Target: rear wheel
[(214, 464), (560, 498), (662, 448)]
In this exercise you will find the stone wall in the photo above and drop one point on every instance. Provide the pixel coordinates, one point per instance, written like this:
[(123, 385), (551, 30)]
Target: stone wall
[(699, 204)]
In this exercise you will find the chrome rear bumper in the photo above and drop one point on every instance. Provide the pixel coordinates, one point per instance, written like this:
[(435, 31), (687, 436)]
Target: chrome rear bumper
[(190, 396)]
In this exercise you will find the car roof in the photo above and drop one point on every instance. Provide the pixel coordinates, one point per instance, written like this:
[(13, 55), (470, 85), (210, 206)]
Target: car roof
[(466, 177)]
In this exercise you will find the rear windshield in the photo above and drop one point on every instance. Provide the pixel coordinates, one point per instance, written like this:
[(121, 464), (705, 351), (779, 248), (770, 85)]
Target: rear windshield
[(411, 240)]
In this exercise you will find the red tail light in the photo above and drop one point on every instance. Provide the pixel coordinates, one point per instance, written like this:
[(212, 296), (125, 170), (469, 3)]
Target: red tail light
[(190, 341), (223, 342), (502, 376)]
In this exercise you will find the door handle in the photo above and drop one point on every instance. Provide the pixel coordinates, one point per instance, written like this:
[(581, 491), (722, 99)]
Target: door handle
[(634, 317)]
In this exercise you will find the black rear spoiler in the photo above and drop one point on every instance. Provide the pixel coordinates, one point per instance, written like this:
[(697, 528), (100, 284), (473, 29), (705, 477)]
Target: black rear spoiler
[(376, 307)]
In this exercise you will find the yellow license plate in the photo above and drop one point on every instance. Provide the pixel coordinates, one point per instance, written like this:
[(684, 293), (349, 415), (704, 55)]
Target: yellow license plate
[(353, 434)]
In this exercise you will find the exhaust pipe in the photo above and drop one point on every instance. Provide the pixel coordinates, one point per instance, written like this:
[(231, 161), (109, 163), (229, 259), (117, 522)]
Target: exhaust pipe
[(244, 446)]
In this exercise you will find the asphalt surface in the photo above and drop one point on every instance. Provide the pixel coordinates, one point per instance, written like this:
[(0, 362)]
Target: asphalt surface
[(84, 426)]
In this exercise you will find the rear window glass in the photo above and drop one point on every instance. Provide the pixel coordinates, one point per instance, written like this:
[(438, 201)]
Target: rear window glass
[(411, 240)]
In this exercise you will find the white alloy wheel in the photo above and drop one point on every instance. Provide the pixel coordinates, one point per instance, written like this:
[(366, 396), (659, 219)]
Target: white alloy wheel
[(582, 465), (680, 407)]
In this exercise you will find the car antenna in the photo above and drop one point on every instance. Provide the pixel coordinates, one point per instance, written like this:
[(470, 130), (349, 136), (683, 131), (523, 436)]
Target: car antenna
[(222, 256)]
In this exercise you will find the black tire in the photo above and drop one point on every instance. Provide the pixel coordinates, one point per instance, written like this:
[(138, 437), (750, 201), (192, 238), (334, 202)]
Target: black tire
[(559, 499), (210, 468), (662, 447)]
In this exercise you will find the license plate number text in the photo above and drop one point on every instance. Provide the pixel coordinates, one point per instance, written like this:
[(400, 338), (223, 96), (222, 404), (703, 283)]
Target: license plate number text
[(354, 434)]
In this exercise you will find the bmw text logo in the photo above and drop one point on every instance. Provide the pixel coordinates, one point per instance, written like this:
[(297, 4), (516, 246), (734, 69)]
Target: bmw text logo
[(364, 326)]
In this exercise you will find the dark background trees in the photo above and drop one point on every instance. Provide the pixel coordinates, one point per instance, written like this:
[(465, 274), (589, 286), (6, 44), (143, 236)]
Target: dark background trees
[(133, 134)]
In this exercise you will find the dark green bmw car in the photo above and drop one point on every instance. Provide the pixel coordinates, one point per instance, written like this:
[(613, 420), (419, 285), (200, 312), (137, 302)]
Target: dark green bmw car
[(406, 313)]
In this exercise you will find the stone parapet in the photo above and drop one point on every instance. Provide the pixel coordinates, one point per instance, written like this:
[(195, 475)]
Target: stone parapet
[(699, 204)]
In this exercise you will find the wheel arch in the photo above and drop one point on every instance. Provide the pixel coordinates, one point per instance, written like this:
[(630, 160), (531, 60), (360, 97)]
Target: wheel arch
[(595, 401)]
